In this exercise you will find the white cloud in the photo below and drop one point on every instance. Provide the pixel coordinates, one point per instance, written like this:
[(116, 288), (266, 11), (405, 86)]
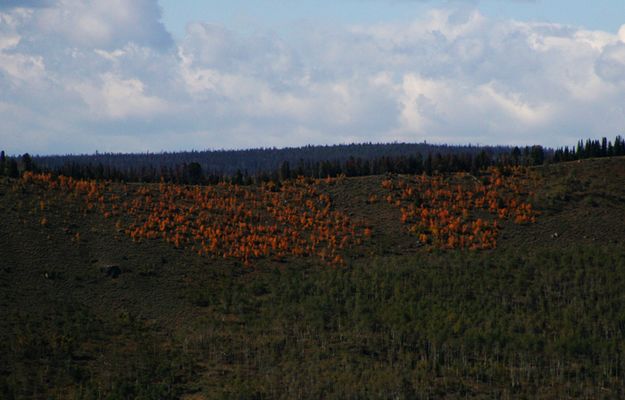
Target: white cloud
[(120, 98), (82, 75), (621, 33), (9, 41), (611, 64), (22, 68), (106, 24)]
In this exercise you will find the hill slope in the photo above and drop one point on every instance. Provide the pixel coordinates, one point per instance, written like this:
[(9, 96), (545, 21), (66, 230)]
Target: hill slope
[(540, 316)]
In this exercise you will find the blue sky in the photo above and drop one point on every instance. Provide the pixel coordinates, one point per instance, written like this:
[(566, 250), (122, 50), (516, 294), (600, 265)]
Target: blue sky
[(78, 76), (597, 14)]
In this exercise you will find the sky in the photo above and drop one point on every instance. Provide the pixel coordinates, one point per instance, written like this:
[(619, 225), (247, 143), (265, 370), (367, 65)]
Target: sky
[(602, 14), (78, 76)]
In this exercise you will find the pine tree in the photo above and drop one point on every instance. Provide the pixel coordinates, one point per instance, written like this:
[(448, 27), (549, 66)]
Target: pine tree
[(427, 166), (27, 162), (285, 171), (3, 160), (516, 155), (12, 171), (194, 172), (537, 155), (237, 179)]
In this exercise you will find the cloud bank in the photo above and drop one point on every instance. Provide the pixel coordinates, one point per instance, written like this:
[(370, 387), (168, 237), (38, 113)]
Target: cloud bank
[(80, 76)]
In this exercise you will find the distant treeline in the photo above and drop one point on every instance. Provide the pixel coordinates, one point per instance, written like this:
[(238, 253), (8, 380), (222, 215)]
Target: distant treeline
[(256, 165), (591, 149), (309, 160)]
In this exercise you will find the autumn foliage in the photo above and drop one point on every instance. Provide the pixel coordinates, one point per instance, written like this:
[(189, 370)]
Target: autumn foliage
[(225, 220), (296, 218), (460, 211)]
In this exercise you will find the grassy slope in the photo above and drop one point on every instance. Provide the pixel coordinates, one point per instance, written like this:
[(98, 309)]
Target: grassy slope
[(538, 317)]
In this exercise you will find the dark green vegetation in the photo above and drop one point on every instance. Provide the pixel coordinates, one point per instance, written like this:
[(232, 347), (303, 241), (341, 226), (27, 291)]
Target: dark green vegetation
[(262, 163), (258, 165), (542, 316)]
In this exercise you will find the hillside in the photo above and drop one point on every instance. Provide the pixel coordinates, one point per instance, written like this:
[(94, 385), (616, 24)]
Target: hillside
[(368, 303)]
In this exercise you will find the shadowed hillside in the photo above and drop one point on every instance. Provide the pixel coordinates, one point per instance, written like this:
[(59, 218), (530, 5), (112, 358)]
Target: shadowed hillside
[(95, 306)]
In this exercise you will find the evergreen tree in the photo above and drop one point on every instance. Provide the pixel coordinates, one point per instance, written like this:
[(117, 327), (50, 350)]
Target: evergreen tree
[(619, 146), (194, 172), (482, 160), (12, 170), (516, 155), (27, 162), (3, 160), (285, 171), (537, 155), (237, 178), (427, 166)]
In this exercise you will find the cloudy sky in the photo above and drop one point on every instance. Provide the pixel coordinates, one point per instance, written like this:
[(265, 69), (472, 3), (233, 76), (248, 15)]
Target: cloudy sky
[(78, 76)]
